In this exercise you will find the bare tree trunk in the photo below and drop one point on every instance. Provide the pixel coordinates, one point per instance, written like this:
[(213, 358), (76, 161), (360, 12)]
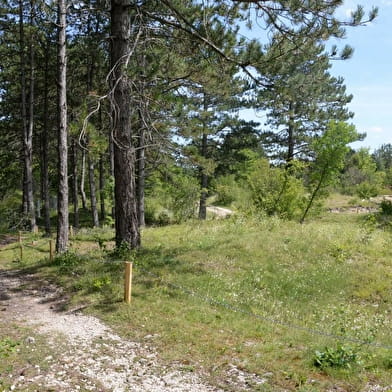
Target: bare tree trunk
[(93, 193), (290, 136), (83, 180), (23, 110), (75, 183), (127, 227), (203, 183), (111, 168), (141, 177), (102, 188), (28, 146), (62, 207), (45, 152), (203, 175)]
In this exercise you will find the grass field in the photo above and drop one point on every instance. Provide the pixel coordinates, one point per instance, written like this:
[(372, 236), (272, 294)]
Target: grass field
[(308, 307)]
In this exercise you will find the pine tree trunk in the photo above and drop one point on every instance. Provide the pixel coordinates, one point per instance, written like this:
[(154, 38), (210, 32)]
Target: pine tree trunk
[(203, 181), (62, 206), (83, 180), (127, 227), (93, 193), (75, 184), (23, 110), (111, 168), (45, 152), (102, 188), (141, 177), (28, 148)]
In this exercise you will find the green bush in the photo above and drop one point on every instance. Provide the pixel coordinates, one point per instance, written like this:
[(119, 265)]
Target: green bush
[(68, 261), (11, 217), (366, 190), (7, 346), (276, 192), (339, 357), (386, 207)]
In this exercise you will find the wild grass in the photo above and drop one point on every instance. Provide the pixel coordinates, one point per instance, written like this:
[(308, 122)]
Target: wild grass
[(269, 296)]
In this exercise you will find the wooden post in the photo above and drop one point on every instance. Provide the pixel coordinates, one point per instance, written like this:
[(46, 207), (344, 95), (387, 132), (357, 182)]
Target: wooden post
[(51, 250), (71, 231), (128, 282), (20, 246)]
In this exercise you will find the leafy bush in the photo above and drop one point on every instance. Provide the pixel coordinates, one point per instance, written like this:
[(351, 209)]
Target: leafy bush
[(386, 207), (11, 217), (339, 357), (7, 346), (276, 192), (366, 190), (68, 261), (172, 202)]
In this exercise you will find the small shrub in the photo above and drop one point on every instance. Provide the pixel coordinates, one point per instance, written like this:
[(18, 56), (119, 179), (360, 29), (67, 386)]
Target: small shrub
[(68, 261), (386, 207), (101, 283), (339, 357), (121, 252), (7, 346)]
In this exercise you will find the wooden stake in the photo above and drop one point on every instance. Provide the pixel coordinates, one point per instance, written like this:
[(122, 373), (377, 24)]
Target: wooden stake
[(71, 231), (51, 250), (128, 282), (20, 246)]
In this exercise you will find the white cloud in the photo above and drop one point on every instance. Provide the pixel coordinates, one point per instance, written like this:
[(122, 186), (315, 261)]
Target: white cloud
[(387, 3)]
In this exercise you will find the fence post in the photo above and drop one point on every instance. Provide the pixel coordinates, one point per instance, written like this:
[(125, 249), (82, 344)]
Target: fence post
[(128, 282), (20, 246), (51, 250)]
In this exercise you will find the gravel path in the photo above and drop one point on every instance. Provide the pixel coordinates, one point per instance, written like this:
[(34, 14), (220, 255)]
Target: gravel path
[(92, 356)]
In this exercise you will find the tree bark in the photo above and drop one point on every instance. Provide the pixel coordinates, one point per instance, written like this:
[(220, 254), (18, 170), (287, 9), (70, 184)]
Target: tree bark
[(83, 180), (28, 148), (141, 177), (203, 181), (102, 188), (127, 227), (62, 203), (45, 151), (203, 175), (93, 193), (75, 184)]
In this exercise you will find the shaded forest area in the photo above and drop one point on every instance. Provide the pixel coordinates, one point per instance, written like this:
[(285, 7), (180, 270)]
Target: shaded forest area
[(128, 112)]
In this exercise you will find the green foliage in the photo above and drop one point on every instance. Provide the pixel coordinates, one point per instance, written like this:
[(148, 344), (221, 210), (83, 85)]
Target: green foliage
[(227, 190), (386, 207), (360, 175), (275, 191), (11, 217), (7, 347), (173, 200), (339, 357), (68, 261), (366, 190)]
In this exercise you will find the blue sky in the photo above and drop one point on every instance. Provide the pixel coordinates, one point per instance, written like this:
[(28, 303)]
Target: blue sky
[(368, 74)]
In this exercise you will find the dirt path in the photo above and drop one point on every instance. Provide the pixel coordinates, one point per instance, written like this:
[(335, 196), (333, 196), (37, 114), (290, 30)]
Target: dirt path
[(91, 356)]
